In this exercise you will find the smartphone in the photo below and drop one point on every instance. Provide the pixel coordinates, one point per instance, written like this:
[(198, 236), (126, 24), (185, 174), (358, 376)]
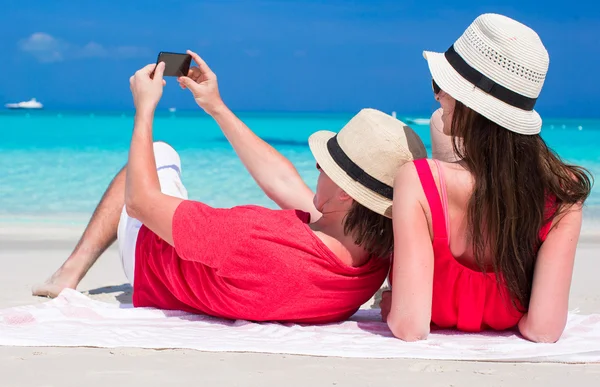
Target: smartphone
[(176, 65)]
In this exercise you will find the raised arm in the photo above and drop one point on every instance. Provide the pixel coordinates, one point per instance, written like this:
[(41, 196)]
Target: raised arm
[(143, 198), (273, 173)]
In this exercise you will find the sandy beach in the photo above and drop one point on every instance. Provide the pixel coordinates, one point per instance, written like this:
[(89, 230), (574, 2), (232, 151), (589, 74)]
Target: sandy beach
[(32, 252)]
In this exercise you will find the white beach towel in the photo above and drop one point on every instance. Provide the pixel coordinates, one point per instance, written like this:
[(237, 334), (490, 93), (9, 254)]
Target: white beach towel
[(74, 320)]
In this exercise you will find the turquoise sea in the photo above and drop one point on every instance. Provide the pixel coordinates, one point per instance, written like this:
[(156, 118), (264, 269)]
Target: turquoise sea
[(54, 166)]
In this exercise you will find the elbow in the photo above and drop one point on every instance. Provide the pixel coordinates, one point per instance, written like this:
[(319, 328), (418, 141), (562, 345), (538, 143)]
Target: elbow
[(543, 332), (542, 335), (132, 206), (138, 204), (409, 330), (131, 210)]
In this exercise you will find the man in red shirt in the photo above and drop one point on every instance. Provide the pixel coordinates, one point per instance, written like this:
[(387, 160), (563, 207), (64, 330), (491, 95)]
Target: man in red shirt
[(314, 261)]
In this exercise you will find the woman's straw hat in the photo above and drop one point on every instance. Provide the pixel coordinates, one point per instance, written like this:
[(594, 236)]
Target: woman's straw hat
[(497, 68)]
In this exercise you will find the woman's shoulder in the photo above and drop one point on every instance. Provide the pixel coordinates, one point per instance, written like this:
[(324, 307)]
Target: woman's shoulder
[(414, 171), (408, 183), (410, 169), (407, 175)]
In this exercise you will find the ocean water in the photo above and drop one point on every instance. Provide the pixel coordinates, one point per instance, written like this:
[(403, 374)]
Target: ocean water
[(54, 166)]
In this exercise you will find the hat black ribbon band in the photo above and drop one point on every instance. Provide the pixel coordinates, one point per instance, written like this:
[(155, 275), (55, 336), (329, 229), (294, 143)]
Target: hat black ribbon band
[(355, 172), (486, 84)]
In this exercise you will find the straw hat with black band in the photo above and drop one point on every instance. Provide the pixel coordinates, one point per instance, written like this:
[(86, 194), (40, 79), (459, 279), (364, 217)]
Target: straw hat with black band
[(497, 68), (363, 158)]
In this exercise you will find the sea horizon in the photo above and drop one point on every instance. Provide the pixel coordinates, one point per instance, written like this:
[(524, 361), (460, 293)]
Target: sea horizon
[(198, 111), (58, 162)]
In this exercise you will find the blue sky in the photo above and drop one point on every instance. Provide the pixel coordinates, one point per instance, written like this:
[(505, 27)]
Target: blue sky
[(278, 55)]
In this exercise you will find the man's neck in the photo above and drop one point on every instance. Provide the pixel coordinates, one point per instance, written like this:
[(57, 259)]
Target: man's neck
[(330, 229)]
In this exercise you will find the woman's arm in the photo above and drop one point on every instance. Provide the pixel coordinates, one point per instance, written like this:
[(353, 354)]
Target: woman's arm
[(412, 281), (143, 198), (273, 173), (441, 144), (549, 303)]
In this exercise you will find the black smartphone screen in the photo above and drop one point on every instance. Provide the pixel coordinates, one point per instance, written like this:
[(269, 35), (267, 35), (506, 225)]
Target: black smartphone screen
[(176, 65)]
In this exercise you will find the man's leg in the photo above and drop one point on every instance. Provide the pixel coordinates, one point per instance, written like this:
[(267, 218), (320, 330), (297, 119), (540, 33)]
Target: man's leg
[(99, 234)]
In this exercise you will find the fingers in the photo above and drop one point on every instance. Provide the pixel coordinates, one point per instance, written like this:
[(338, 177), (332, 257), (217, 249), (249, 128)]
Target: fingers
[(186, 83), (159, 71), (151, 70), (194, 73), (146, 70), (204, 69)]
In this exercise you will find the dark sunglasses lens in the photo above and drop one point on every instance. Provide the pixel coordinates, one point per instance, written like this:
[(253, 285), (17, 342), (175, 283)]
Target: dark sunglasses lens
[(436, 88), (318, 167)]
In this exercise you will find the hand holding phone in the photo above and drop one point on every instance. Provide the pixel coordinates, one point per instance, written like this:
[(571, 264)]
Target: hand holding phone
[(145, 89), (176, 65), (202, 82)]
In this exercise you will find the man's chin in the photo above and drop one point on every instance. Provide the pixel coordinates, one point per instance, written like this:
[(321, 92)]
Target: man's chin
[(316, 204)]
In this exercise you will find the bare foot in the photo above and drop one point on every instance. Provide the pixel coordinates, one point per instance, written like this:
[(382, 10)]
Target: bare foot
[(62, 279)]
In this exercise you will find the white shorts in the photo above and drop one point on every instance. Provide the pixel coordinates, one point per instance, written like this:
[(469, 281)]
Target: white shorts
[(168, 167)]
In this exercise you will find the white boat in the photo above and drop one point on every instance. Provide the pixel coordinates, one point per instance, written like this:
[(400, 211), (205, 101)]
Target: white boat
[(172, 110), (418, 121), (31, 104)]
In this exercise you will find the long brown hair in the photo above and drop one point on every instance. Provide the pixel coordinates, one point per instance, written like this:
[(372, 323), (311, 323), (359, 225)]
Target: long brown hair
[(515, 176)]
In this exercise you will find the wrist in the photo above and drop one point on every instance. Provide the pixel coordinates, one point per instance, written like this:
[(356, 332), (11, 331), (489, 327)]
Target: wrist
[(217, 109), (143, 117), (144, 113)]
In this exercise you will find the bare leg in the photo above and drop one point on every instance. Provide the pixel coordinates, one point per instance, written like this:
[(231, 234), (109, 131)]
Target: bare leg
[(99, 234)]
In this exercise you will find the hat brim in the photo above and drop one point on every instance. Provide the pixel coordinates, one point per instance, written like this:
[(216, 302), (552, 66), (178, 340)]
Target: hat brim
[(503, 114), (372, 200)]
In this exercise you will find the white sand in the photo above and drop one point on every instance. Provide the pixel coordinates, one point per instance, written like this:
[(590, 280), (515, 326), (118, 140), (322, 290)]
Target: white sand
[(32, 252)]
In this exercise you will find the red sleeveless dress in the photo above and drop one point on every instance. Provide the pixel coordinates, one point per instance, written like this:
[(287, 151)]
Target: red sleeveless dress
[(463, 298)]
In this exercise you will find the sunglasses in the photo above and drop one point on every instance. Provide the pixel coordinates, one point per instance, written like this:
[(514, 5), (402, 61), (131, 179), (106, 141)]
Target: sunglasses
[(318, 167), (436, 88)]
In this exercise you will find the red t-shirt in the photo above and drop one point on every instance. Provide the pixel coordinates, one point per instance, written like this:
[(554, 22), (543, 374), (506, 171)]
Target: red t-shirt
[(249, 263)]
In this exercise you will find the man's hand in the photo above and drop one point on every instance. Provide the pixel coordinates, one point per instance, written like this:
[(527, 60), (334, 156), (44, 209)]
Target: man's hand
[(202, 82), (147, 91), (386, 304)]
